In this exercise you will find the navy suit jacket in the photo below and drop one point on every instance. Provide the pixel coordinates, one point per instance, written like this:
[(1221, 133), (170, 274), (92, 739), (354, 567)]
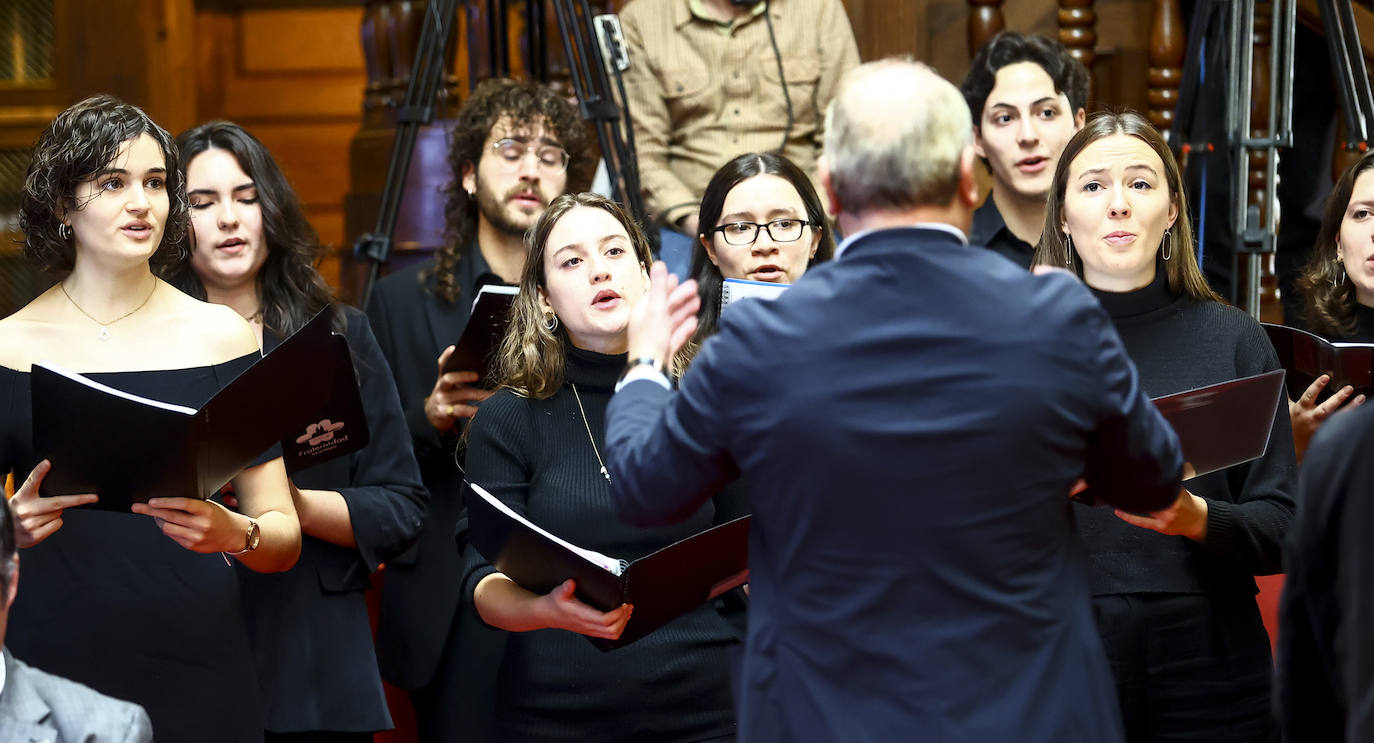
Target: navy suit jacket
[(911, 418)]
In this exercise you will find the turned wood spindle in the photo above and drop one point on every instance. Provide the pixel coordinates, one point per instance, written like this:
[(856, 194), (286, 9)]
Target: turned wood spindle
[(1168, 44), (985, 19), (1078, 29)]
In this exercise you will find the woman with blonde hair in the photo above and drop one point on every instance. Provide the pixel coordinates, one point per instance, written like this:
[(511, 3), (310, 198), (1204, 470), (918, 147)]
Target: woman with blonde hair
[(1173, 590), (539, 445)]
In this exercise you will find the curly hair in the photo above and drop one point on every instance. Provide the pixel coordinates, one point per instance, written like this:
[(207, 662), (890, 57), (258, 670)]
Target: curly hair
[(531, 359), (521, 103), (1069, 75), (80, 142), (708, 276), (290, 290), (1054, 249), (1328, 297)]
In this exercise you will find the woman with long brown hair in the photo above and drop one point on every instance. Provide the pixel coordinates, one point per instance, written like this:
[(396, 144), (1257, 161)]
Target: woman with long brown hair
[(1173, 590), (539, 445)]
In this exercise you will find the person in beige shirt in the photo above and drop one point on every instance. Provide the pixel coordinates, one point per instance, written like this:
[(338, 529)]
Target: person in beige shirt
[(704, 87)]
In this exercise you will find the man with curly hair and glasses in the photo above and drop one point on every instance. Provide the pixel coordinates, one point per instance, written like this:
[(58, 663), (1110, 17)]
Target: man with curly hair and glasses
[(514, 147)]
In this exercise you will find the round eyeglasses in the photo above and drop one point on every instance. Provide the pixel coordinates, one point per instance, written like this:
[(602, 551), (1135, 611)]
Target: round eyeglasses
[(745, 233), (551, 158)]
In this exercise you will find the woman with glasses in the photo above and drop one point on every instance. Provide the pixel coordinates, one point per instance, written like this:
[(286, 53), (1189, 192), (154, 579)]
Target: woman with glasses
[(760, 220), (252, 249), (538, 444)]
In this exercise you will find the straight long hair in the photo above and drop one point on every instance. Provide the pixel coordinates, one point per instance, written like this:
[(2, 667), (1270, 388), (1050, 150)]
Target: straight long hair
[(709, 278), (1054, 249), (290, 290)]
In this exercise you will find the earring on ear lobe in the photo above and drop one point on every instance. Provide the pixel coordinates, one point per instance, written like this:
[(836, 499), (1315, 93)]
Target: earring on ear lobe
[(1168, 246), (1068, 251), (64, 230), (1338, 275), (551, 322)]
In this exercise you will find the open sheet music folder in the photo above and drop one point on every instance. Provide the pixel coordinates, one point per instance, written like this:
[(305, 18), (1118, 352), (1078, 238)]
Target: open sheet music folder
[(126, 448), (1307, 356), (1221, 425), (662, 586), (476, 348)]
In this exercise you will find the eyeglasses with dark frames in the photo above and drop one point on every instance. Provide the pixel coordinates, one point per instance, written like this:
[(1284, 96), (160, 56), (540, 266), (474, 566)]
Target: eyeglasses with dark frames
[(784, 230), (551, 158)]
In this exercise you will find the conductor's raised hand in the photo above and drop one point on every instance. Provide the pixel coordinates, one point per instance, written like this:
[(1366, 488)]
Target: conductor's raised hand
[(36, 518), (453, 395), (198, 525), (561, 609), (665, 318), (1307, 416)]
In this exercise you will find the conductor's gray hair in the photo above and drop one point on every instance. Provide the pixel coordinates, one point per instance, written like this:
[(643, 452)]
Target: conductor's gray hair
[(894, 137)]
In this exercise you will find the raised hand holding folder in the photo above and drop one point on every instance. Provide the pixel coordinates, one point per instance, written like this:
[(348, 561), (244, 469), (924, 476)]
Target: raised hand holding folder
[(477, 346), (127, 448), (662, 586)]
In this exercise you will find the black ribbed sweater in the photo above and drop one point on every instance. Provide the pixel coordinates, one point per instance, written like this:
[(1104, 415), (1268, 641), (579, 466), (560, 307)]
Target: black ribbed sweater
[(1177, 344), (673, 685)]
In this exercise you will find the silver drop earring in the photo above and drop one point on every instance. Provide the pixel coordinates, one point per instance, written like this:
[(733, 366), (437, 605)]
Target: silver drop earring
[(551, 322), (1068, 251), (1168, 246), (64, 230)]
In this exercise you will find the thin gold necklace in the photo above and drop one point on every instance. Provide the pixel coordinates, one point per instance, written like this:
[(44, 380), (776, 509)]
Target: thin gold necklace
[(104, 333), (590, 438)]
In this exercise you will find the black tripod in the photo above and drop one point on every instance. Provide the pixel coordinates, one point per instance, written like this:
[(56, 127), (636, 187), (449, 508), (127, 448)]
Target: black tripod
[(595, 50)]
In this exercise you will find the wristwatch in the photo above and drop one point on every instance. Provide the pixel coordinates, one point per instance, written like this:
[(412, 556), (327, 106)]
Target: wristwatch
[(251, 538), (647, 367)]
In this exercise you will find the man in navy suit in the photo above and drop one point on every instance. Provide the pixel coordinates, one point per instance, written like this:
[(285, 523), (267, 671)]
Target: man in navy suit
[(910, 418)]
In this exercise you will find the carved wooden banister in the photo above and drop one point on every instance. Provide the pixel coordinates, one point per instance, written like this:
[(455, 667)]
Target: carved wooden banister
[(985, 19), (1078, 29), (1168, 43)]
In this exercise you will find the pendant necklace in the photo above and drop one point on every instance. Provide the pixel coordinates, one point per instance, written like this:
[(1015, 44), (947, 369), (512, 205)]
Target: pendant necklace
[(588, 426), (104, 333)]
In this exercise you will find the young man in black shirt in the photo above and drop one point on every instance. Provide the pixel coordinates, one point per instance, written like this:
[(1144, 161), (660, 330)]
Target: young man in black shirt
[(1027, 96)]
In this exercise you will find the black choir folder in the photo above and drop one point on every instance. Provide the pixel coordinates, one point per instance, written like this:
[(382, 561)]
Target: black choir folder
[(1224, 424), (127, 448), (1220, 425), (661, 586), (1307, 356), (476, 347)]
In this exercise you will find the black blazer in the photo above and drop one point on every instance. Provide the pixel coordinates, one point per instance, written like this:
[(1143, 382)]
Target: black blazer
[(910, 418), (309, 626), (420, 591)]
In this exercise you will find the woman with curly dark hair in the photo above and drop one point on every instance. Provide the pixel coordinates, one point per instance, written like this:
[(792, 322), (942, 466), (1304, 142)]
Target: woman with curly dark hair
[(1337, 288), (253, 250), (138, 608)]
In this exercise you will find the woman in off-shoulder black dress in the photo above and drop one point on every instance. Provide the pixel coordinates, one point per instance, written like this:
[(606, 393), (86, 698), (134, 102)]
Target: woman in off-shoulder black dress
[(140, 606)]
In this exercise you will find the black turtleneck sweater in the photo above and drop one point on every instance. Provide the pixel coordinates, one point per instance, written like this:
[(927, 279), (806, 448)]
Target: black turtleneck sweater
[(1177, 344), (1364, 326), (673, 685)]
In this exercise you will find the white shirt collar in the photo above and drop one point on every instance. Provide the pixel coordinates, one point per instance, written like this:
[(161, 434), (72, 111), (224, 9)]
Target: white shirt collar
[(951, 229)]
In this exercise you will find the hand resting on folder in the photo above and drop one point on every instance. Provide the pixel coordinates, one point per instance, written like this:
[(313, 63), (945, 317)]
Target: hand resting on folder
[(504, 604), (1307, 415)]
